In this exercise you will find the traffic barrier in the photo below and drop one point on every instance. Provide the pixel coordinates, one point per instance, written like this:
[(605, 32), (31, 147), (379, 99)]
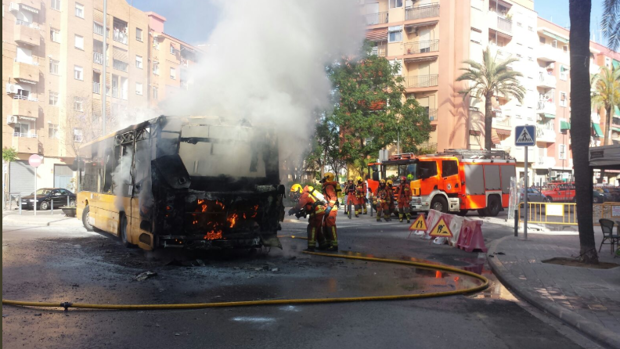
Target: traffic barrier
[(470, 237), (565, 213), (466, 232), (455, 227)]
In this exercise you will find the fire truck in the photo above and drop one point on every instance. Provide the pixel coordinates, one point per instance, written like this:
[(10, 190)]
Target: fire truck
[(453, 181)]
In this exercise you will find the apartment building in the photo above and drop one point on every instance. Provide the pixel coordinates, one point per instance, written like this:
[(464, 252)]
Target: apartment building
[(431, 39), (53, 81)]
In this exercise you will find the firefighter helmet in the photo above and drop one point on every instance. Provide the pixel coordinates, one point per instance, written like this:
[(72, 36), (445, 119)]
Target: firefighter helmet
[(359, 178), (382, 182), (389, 182), (329, 177), (410, 177), (296, 188), (403, 179)]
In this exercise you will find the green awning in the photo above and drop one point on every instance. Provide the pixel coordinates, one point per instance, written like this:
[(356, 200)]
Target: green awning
[(555, 36), (597, 130), (617, 111), (563, 68), (549, 116), (615, 129), (564, 125), (616, 64)]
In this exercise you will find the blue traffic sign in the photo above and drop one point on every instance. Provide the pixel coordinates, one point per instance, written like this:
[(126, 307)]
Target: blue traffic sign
[(525, 136)]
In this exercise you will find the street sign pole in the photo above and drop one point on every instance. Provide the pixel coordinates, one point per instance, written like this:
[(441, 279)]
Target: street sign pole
[(525, 197), (525, 137), (35, 191), (35, 160)]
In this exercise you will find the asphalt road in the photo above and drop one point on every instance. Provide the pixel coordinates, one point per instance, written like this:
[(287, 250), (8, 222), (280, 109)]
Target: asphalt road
[(69, 264)]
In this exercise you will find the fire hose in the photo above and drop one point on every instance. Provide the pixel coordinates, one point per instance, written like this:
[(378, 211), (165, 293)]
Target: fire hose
[(482, 286)]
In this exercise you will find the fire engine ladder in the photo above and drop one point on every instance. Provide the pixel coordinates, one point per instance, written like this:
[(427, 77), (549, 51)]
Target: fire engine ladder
[(477, 154)]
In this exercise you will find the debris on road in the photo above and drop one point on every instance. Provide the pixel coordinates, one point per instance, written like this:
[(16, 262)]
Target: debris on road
[(145, 275)]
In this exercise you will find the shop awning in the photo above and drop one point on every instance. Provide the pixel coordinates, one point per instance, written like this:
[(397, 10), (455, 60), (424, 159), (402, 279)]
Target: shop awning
[(616, 111), (28, 8), (420, 59), (597, 130), (564, 125), (549, 116), (555, 36), (120, 55), (379, 34), (615, 129)]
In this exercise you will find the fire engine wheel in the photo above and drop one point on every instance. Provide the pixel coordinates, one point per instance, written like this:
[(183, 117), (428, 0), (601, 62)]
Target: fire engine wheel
[(494, 206), (462, 212), (440, 204)]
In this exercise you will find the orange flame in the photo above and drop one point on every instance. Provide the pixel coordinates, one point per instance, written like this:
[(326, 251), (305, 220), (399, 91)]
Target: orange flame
[(232, 219), (213, 235)]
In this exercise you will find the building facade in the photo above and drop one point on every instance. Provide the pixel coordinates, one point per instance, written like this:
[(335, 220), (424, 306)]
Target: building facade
[(53, 80), (430, 39)]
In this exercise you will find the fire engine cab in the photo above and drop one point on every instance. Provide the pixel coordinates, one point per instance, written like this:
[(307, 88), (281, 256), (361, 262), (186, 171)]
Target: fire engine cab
[(453, 181)]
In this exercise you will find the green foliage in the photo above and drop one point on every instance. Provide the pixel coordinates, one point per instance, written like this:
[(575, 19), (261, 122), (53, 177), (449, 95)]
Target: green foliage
[(9, 154), (491, 78), (370, 110), (606, 94), (611, 23)]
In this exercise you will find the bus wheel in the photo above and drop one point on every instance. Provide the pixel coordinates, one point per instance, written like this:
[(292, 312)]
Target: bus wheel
[(494, 206), (85, 215), (440, 204), (482, 212), (123, 231)]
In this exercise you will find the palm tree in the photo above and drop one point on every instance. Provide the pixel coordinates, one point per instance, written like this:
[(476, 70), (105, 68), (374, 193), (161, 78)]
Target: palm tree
[(606, 94), (611, 23), (579, 12), (491, 78)]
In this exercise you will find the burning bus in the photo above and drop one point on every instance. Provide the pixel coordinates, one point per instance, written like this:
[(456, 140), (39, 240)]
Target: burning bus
[(193, 182)]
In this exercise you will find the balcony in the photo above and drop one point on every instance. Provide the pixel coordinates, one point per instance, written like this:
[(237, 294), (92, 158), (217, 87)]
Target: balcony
[(499, 23), (98, 57), (544, 162), (421, 81), (33, 6), (25, 106), (118, 65), (423, 11), (545, 134), (376, 18), (424, 46), (96, 88), (545, 80), (431, 114), (25, 142), (27, 33), (26, 70), (545, 107), (380, 50)]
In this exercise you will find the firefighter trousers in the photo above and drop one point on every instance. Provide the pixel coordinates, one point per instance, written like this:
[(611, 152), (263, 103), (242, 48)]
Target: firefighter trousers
[(315, 230), (329, 228), (403, 210), (383, 209)]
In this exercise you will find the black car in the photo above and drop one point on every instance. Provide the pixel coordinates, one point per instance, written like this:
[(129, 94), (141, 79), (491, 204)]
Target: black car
[(45, 196)]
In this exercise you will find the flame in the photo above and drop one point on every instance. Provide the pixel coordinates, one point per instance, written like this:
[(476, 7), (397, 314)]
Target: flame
[(195, 222), (221, 205), (213, 235), (232, 219), (255, 211)]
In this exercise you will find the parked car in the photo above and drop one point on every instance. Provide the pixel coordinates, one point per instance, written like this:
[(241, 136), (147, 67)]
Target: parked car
[(533, 195), (46, 196), (606, 194), (598, 197), (615, 193)]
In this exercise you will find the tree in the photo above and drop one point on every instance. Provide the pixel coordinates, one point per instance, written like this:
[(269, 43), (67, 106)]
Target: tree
[(611, 23), (491, 78), (579, 12), (606, 95), (325, 151), (370, 112), (9, 154), (83, 122)]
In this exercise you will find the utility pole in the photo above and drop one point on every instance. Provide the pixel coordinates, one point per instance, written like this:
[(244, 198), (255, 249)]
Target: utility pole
[(105, 63)]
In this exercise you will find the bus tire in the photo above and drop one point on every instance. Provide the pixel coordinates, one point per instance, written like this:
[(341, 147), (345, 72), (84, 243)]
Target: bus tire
[(123, 231), (85, 215), (494, 206), (482, 212), (440, 204)]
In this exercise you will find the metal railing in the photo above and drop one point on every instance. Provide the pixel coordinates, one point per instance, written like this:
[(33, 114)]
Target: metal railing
[(26, 24), (98, 57), (431, 114), (118, 65), (423, 46), (98, 28), (376, 18), (96, 88), (120, 36), (32, 60), (26, 98), (421, 80), (504, 24), (423, 11), (25, 135), (549, 213)]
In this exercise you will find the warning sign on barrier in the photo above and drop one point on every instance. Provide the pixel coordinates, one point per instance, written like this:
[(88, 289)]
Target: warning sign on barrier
[(441, 229), (419, 224)]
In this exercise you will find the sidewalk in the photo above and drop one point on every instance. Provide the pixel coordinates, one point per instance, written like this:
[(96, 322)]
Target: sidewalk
[(43, 218), (588, 299)]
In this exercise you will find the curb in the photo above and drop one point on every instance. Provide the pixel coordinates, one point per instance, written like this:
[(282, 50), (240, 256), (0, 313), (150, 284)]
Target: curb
[(593, 331), (17, 221)]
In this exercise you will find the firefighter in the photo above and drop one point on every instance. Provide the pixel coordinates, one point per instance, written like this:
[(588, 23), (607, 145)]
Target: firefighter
[(364, 191), (382, 201), (404, 197), (350, 189), (391, 191), (331, 211), (311, 202), (360, 196)]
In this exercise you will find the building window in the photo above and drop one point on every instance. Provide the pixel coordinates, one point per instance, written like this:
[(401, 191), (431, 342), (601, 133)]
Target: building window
[(78, 104), (79, 42), (395, 34), (172, 50), (139, 34), (155, 96), (138, 88), (396, 3), (399, 65), (119, 65), (475, 36), (98, 28), (124, 88), (562, 153), (79, 10), (173, 74), (54, 98), (156, 43), (563, 99), (78, 73), (77, 135), (54, 66), (563, 72), (56, 4), (54, 35), (542, 40), (21, 130), (53, 131), (156, 68), (139, 61)]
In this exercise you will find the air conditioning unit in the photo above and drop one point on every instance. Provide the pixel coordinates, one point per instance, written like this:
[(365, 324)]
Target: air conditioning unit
[(11, 119), (553, 173), (551, 66), (11, 88), (410, 30), (554, 44), (13, 6), (408, 4)]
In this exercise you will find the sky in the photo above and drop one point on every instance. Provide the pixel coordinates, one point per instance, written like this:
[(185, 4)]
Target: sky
[(193, 20)]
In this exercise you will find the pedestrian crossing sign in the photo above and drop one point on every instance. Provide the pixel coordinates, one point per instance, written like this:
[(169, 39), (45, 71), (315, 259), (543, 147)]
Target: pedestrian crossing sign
[(441, 229), (526, 135), (419, 224)]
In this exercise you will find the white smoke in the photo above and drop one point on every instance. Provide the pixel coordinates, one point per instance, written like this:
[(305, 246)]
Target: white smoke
[(265, 62), (121, 177)]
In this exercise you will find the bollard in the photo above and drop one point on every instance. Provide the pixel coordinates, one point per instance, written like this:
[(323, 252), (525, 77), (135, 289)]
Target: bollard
[(52, 202), (20, 204), (517, 222), (67, 200)]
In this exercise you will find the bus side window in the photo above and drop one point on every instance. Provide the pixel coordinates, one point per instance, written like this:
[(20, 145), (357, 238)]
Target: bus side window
[(109, 161)]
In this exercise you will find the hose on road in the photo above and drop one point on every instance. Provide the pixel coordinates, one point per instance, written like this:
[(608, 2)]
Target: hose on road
[(482, 286)]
